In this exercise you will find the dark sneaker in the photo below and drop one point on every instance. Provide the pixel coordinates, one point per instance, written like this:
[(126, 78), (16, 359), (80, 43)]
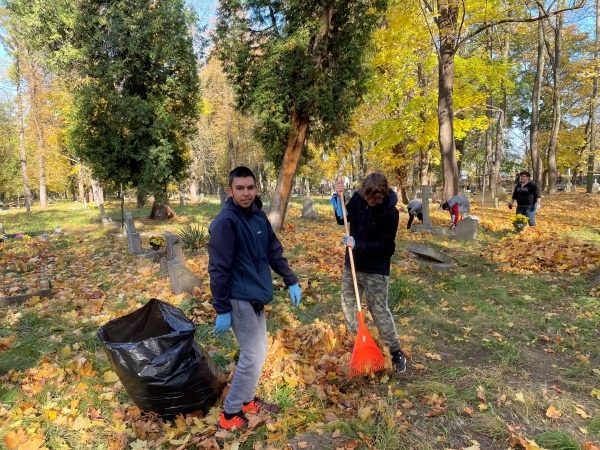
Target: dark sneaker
[(235, 421), (256, 405), (399, 361)]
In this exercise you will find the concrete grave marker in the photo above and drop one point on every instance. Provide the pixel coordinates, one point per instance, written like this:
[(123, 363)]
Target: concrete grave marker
[(467, 228), (173, 265), (308, 210), (595, 187), (430, 257), (134, 241)]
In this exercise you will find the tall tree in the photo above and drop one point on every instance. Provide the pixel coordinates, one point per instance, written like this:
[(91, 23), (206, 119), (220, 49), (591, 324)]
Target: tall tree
[(136, 107), (456, 23), (295, 63)]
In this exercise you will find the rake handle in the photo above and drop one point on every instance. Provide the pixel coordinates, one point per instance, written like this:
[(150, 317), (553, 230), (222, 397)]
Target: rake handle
[(350, 254)]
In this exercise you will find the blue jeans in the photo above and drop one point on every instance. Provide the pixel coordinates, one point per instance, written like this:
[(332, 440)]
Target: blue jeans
[(529, 211), (250, 330)]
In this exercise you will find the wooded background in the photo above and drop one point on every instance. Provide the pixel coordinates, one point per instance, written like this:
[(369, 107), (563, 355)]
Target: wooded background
[(145, 97)]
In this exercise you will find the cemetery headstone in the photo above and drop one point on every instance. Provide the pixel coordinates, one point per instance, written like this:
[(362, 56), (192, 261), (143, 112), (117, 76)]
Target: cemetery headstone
[(501, 194), (182, 279), (595, 190), (134, 241), (424, 196), (308, 210), (429, 257), (489, 200), (467, 228)]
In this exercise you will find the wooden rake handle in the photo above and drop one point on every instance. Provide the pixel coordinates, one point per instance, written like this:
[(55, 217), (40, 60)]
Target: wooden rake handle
[(350, 254)]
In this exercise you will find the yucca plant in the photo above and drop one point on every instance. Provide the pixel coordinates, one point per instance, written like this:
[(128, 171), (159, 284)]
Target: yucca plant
[(192, 236)]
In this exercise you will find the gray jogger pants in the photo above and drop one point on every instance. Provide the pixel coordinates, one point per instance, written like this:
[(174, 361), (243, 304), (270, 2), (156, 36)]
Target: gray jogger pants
[(250, 329), (373, 289)]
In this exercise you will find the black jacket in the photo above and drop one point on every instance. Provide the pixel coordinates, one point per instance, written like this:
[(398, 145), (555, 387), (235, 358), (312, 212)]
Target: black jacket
[(526, 195), (374, 231)]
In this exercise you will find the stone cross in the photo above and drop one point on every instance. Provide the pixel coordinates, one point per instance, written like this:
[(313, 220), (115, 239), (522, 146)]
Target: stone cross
[(425, 195), (134, 241)]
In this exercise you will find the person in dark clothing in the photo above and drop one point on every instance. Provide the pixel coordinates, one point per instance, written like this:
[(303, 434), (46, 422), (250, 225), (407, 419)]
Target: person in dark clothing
[(373, 219), (242, 250), (415, 209), (528, 197)]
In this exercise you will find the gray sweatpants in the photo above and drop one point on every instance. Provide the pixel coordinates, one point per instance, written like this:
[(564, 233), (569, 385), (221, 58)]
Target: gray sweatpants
[(373, 289), (250, 330)]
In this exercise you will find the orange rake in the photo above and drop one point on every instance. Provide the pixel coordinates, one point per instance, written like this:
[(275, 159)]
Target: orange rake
[(366, 356)]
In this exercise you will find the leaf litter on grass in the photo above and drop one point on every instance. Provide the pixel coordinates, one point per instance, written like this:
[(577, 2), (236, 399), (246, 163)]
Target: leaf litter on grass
[(70, 386)]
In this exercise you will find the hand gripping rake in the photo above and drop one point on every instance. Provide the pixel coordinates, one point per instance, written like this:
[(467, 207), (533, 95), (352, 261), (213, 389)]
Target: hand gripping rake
[(366, 356)]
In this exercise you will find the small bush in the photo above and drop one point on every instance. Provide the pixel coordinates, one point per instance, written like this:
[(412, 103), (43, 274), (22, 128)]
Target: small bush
[(192, 236)]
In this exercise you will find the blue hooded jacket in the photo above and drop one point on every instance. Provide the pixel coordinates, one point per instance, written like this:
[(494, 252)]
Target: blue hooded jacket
[(242, 250)]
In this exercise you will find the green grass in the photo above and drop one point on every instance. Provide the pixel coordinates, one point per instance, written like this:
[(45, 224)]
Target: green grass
[(527, 341)]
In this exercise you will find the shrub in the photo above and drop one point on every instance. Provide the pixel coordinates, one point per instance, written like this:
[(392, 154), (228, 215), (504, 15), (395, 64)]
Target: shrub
[(192, 236)]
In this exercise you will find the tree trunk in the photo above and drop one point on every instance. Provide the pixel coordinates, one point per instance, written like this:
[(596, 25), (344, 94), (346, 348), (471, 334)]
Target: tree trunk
[(22, 150), (593, 106), (446, 22), (35, 88), (552, 173), (283, 189), (99, 199), (161, 209), (536, 162)]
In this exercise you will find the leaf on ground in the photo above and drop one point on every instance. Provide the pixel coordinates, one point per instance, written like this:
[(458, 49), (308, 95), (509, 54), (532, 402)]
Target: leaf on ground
[(553, 413)]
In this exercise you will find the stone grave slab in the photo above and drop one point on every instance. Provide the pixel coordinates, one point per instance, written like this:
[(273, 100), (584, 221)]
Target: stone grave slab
[(430, 257), (45, 291), (134, 241)]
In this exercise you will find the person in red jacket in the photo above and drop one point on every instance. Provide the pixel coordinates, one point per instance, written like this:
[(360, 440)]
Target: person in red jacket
[(458, 206)]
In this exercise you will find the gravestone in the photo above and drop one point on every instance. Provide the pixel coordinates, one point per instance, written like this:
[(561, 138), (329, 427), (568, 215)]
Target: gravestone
[(595, 190), (182, 279), (501, 194), (467, 228), (424, 196), (222, 196), (489, 200), (134, 241), (308, 210), (430, 257)]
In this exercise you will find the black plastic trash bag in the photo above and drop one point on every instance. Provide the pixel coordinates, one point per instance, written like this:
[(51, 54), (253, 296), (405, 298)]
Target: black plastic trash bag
[(163, 369)]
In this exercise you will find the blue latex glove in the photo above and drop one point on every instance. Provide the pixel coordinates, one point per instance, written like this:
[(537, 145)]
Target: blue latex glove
[(337, 205), (349, 241), (223, 323), (295, 294)]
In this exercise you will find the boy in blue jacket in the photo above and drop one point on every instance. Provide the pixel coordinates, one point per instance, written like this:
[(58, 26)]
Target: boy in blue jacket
[(242, 250)]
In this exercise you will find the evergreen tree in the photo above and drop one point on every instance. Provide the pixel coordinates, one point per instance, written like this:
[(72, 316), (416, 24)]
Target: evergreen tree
[(137, 104), (296, 63)]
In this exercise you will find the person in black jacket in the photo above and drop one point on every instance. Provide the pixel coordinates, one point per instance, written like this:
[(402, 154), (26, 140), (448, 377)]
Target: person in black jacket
[(242, 250), (373, 219), (528, 197)]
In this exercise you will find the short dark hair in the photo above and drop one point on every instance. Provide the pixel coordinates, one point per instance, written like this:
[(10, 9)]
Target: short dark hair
[(445, 206), (374, 184), (240, 172), (525, 173)]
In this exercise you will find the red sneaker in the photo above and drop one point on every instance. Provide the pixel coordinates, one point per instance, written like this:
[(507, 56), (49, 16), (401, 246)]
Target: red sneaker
[(237, 422), (256, 405)]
